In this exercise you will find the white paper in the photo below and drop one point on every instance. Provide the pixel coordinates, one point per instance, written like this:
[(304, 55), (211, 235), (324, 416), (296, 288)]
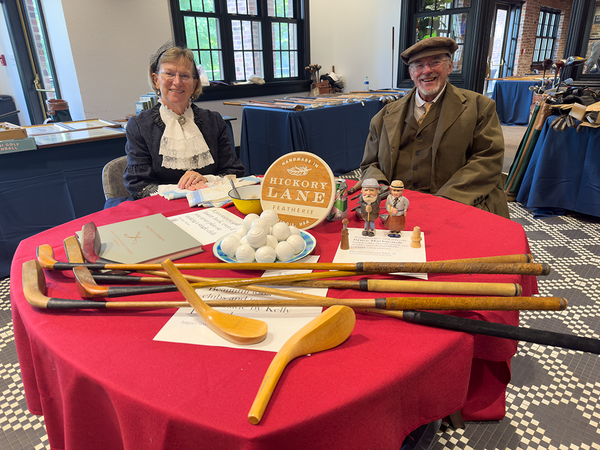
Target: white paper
[(208, 225), (186, 327), (381, 248)]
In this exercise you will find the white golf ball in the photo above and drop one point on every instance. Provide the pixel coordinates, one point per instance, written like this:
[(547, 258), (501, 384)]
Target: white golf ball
[(294, 230), (265, 254), (284, 251), (244, 254), (242, 231), (281, 231), (249, 219), (230, 244), (262, 223), (272, 241), (297, 242), (256, 237), (270, 216)]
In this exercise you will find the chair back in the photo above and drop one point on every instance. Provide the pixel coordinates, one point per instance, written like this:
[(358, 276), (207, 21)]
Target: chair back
[(112, 178)]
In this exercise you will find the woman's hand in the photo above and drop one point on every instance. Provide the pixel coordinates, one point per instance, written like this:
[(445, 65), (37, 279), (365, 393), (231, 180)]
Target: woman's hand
[(192, 181)]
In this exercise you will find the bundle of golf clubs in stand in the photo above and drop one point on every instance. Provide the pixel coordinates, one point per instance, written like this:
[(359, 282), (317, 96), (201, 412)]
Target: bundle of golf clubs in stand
[(561, 95)]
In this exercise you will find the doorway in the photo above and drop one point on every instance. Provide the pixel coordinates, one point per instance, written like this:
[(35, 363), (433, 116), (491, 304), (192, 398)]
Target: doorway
[(503, 42)]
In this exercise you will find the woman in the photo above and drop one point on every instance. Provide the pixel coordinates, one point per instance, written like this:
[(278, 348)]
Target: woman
[(176, 142)]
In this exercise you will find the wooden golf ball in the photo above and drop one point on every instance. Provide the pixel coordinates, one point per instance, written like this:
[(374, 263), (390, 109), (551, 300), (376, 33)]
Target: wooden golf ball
[(230, 244), (270, 216), (244, 254), (284, 251), (249, 219), (297, 243), (256, 237), (265, 254), (281, 231)]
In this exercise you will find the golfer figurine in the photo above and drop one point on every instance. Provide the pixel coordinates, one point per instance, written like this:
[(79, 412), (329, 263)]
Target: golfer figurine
[(369, 205), (396, 205)]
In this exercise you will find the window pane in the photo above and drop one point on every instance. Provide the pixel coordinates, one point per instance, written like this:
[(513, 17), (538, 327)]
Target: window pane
[(441, 5), (184, 5), (280, 8), (191, 36), (247, 7)]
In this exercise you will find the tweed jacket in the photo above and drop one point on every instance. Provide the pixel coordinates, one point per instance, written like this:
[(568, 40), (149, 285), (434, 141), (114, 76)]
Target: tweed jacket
[(467, 151), (144, 171)]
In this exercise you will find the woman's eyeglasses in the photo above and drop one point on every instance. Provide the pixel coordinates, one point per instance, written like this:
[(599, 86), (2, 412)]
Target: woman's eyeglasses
[(185, 77)]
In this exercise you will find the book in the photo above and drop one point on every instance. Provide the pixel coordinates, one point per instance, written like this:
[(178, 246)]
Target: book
[(149, 239)]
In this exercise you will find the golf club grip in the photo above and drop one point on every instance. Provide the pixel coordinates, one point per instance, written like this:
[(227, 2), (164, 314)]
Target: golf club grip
[(504, 331), (475, 303), (442, 287), (455, 267)]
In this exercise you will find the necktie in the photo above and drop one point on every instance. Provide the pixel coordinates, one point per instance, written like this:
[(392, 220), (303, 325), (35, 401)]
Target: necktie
[(427, 106)]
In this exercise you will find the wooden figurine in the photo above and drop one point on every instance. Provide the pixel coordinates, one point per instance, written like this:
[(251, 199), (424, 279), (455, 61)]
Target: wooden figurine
[(345, 243), (369, 205), (415, 239), (396, 205)]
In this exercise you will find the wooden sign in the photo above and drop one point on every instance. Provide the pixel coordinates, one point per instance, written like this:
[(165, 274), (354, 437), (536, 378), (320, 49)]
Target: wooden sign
[(300, 188)]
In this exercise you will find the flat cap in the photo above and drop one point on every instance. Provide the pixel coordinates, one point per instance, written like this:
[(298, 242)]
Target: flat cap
[(370, 183), (429, 47)]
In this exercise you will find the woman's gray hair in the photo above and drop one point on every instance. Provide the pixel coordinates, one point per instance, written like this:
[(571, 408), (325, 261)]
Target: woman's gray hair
[(173, 54)]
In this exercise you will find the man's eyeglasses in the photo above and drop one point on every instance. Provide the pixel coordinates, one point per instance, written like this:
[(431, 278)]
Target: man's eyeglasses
[(432, 65), (185, 77)]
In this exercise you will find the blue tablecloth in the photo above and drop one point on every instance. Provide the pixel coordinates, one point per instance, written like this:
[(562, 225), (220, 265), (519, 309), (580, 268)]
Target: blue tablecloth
[(513, 101), (564, 172), (337, 134)]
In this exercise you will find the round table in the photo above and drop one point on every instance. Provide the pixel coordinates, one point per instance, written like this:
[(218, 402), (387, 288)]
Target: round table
[(102, 382)]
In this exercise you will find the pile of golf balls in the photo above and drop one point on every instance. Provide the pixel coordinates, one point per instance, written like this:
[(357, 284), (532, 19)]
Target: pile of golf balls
[(263, 239)]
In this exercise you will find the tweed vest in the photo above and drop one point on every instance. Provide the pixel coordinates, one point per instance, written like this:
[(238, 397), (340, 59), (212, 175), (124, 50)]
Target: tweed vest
[(414, 163)]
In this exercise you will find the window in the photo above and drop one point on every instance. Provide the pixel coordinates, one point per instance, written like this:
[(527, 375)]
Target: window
[(545, 39), (433, 19), (236, 39)]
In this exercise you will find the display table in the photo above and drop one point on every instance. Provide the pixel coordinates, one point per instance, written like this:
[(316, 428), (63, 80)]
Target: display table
[(337, 134), (102, 382), (563, 172), (513, 101), (50, 185)]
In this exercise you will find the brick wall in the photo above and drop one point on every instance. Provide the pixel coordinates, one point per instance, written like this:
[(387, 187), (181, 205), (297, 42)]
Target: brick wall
[(528, 28)]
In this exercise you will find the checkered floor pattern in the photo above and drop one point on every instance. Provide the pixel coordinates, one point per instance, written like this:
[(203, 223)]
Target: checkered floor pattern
[(552, 400)]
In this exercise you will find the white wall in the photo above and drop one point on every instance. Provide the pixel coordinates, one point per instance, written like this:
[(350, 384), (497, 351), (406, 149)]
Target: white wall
[(111, 43), (355, 36)]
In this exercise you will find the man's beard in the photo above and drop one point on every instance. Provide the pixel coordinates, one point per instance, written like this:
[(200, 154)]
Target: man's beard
[(369, 198)]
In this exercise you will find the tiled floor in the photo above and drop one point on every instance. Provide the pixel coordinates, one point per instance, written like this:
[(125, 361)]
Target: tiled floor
[(552, 400)]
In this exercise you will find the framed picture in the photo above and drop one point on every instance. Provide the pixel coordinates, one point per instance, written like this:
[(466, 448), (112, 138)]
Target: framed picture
[(90, 124), (72, 137), (48, 128)]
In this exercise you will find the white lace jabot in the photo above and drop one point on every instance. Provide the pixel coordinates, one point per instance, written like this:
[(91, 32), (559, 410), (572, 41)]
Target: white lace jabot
[(182, 145)]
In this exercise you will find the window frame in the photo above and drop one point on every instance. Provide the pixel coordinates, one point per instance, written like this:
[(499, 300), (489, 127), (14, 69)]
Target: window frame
[(551, 35), (271, 87)]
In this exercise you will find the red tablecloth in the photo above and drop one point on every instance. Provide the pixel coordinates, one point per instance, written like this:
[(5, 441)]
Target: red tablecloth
[(101, 382)]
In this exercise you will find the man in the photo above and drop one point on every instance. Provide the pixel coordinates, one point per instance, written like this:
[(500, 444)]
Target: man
[(397, 205), (369, 205), (455, 150)]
